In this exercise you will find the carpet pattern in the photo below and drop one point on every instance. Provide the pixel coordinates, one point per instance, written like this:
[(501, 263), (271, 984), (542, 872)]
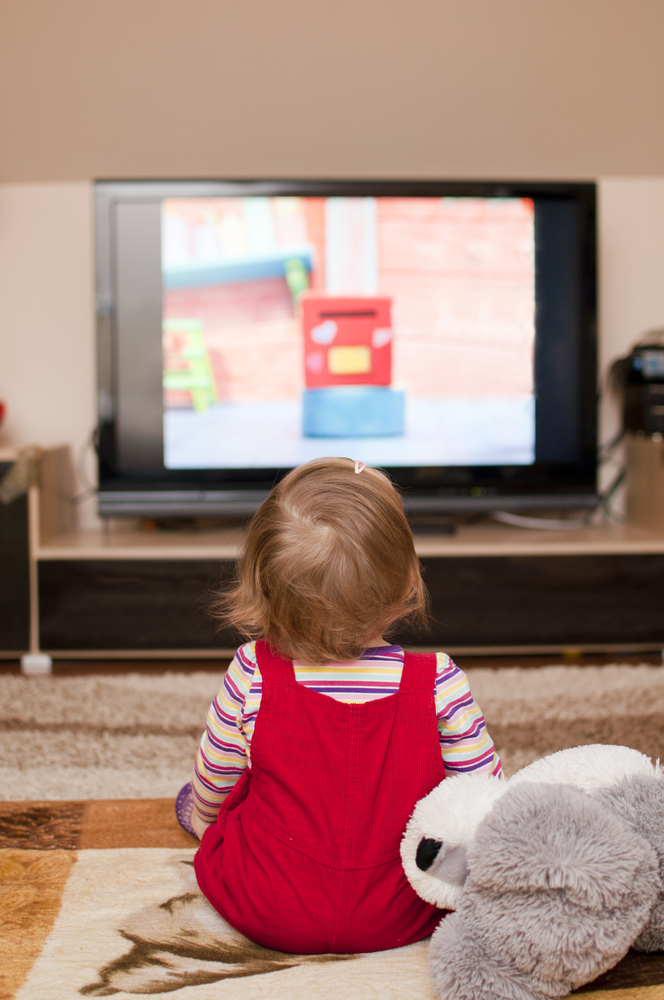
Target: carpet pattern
[(97, 894), (114, 919), (151, 932)]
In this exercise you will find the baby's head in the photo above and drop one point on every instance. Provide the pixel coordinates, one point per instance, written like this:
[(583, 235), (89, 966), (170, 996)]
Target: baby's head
[(328, 564)]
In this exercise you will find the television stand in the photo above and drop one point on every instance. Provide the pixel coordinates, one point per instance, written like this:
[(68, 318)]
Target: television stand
[(126, 592), (432, 526)]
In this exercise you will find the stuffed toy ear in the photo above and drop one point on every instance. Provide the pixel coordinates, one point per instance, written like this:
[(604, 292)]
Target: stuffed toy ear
[(554, 837), (557, 890)]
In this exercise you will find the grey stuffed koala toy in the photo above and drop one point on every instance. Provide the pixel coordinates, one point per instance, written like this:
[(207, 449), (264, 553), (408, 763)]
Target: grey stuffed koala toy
[(552, 883)]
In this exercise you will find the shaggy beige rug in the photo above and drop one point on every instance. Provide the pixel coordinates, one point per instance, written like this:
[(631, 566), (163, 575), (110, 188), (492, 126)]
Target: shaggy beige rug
[(136, 735)]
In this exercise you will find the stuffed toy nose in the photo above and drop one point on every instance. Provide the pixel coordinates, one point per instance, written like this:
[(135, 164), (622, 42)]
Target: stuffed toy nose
[(427, 852)]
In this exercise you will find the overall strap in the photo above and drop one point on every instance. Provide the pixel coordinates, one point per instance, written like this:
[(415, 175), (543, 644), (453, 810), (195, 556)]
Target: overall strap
[(273, 666), (419, 672)]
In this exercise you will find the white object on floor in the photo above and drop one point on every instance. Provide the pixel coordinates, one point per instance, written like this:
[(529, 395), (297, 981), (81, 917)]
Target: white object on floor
[(36, 663), (589, 767), (451, 813)]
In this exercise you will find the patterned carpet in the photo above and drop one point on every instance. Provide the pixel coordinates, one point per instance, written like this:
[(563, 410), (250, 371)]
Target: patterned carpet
[(90, 913), (97, 895)]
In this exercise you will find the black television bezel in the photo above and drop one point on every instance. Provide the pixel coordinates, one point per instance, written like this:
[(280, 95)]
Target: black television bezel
[(214, 492)]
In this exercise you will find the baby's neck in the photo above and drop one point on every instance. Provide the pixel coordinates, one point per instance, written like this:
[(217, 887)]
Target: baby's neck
[(371, 644), (377, 641)]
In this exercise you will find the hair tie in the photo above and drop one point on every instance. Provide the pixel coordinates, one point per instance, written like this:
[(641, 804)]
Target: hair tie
[(360, 467)]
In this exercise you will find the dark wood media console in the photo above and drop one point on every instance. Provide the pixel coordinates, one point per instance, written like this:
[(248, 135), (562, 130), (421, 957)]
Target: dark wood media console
[(555, 601), (127, 592)]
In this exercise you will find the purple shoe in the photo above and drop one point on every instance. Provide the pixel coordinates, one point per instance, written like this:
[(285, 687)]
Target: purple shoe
[(184, 807)]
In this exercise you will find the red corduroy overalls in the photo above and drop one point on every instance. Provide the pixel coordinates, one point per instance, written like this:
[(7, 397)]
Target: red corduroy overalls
[(304, 856)]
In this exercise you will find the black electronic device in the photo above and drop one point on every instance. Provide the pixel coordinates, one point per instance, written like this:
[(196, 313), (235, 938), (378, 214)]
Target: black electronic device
[(644, 389), (444, 331)]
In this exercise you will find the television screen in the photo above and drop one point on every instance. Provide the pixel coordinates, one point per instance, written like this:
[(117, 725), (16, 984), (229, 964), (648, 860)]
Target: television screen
[(444, 331), (398, 330)]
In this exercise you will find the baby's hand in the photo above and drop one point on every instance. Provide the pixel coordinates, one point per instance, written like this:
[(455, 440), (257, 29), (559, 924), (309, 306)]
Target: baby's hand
[(198, 825)]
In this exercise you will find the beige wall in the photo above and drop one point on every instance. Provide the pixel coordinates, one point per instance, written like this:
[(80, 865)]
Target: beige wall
[(46, 312), (47, 373), (150, 88), (438, 88), (631, 249)]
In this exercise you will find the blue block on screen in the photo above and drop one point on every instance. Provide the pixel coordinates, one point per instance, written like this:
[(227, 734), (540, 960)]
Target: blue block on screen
[(353, 411)]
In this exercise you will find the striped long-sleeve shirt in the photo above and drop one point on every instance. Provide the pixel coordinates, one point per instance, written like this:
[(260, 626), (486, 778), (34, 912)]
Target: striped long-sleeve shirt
[(225, 749)]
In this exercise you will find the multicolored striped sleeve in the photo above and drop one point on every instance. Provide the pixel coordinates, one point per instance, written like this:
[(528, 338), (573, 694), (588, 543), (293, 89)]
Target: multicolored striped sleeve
[(464, 741), (223, 753)]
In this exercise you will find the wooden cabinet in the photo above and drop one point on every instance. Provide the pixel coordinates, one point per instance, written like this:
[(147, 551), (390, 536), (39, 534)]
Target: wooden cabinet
[(138, 604), (14, 570), (123, 591), (482, 603)]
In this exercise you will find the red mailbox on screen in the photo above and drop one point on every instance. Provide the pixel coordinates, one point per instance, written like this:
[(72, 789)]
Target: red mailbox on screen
[(347, 340)]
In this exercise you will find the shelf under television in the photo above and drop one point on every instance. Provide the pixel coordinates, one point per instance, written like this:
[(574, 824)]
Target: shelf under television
[(603, 594), (132, 541)]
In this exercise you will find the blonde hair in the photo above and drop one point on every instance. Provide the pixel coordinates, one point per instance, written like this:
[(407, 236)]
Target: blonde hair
[(327, 564)]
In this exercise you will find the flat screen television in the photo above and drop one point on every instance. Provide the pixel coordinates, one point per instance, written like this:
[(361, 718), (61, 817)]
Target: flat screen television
[(443, 331)]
